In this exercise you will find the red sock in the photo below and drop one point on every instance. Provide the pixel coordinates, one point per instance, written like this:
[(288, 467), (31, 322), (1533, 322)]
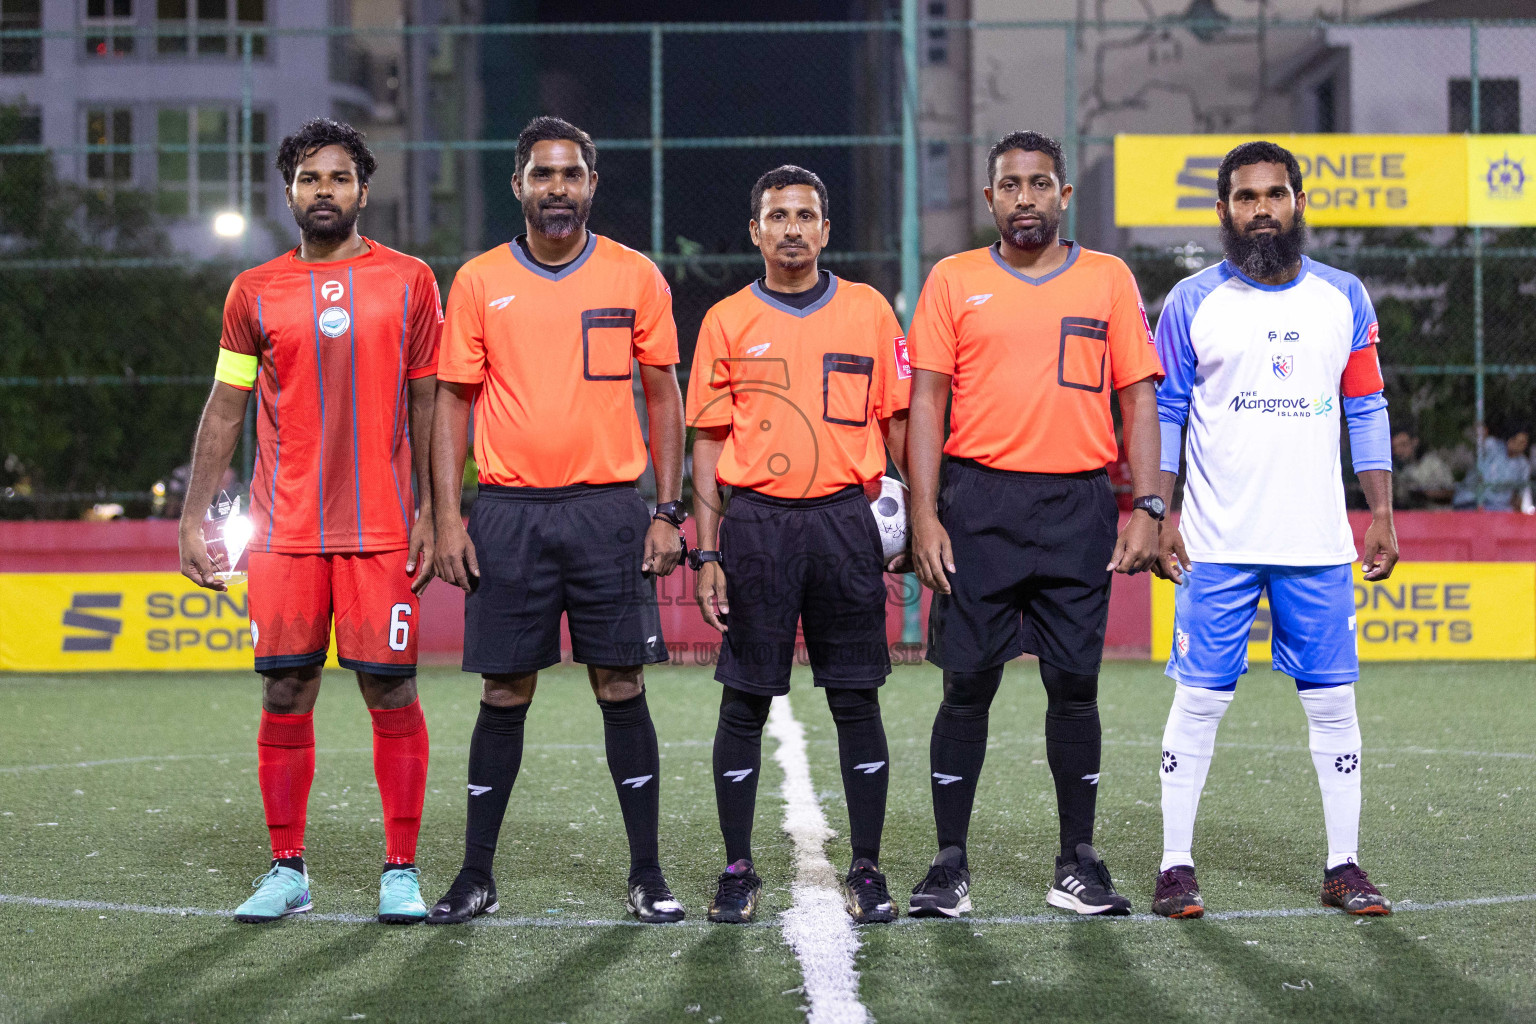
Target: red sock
[(400, 766), (285, 766)]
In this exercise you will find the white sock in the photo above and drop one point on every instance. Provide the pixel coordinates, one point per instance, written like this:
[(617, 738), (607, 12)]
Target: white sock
[(1189, 740), (1333, 733)]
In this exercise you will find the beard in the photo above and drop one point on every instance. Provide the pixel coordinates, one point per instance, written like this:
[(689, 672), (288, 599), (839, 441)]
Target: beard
[(331, 232), (556, 218), (794, 258), (1031, 237), (1263, 256)]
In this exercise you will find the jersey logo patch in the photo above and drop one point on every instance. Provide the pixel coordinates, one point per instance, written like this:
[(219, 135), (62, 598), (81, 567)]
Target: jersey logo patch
[(1146, 324), (757, 350), (502, 302), (334, 322), (332, 291), (977, 300), (1373, 333), (903, 361), (1282, 365)]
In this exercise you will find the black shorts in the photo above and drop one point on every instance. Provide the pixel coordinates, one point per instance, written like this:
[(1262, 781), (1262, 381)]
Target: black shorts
[(547, 551), (1030, 555), (812, 561)]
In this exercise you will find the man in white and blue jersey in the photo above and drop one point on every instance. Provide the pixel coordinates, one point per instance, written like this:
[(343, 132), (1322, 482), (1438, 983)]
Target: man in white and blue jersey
[(1263, 353)]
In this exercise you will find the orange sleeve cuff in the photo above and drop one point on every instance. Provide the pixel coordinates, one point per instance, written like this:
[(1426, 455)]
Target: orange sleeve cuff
[(1362, 374)]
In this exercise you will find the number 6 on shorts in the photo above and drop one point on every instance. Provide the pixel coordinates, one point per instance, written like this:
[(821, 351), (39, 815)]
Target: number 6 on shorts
[(399, 628)]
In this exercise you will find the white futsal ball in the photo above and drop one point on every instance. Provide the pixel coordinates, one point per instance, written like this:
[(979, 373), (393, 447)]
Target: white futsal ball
[(890, 512)]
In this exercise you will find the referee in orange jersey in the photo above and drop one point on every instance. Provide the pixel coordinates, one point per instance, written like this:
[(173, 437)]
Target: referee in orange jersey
[(1029, 336), (542, 336), (799, 388)]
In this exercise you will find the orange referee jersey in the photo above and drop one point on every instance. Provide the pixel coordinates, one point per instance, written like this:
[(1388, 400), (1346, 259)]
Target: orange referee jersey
[(803, 390), (553, 352), (1033, 359)]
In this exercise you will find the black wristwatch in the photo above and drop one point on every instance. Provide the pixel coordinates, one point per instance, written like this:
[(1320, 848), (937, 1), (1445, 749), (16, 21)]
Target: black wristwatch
[(697, 558), (1152, 505), (672, 511)]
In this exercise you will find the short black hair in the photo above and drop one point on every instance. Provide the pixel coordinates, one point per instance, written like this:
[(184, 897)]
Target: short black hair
[(1259, 152), (1029, 142), (317, 133), (553, 129), (782, 177)]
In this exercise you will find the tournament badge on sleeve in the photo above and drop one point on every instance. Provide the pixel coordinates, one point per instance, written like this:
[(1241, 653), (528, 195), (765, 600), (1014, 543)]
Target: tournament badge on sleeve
[(226, 533)]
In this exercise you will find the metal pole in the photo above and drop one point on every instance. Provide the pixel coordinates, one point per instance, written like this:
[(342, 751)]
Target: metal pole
[(911, 251), (658, 239), (1479, 368), (911, 225), (247, 90), (1069, 126)]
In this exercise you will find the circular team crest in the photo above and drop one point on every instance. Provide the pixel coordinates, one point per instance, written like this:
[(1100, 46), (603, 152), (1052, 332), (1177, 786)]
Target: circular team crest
[(334, 322)]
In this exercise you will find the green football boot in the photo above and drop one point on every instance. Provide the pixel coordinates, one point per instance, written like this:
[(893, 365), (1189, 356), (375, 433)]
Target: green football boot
[(279, 893), (400, 897)]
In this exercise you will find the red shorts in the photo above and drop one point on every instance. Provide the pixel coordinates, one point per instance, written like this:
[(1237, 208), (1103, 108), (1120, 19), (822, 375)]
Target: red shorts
[(292, 599)]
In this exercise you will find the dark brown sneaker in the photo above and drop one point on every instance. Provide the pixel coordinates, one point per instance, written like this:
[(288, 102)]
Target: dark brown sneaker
[(866, 895), (1348, 888), (736, 894), (1178, 894)]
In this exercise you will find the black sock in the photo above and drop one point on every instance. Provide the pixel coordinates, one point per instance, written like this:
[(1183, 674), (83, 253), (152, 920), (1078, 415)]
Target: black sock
[(957, 750), (292, 863), (738, 761), (1072, 743), (862, 752), (495, 754), (398, 867), (629, 737)]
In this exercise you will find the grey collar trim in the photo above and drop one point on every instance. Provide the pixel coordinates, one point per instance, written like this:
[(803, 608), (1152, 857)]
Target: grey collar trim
[(554, 275), (1072, 250), (791, 310)]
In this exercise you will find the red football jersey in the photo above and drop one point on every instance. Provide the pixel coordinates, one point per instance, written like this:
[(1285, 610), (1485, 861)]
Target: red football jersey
[(329, 348)]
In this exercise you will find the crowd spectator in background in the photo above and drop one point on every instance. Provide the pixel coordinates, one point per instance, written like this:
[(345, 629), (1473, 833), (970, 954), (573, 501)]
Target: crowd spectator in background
[(1419, 480), (1501, 477)]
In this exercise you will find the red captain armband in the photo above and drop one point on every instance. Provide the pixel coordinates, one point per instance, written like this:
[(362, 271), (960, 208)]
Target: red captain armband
[(1362, 374)]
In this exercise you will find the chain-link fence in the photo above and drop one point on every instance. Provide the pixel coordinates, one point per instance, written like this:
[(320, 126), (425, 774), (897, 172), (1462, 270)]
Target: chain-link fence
[(136, 179)]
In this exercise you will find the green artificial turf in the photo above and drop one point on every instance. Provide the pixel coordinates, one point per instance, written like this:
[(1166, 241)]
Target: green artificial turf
[(140, 789)]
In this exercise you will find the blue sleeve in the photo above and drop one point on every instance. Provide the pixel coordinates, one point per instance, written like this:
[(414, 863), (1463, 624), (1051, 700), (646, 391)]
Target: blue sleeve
[(1177, 354), (1365, 317), (1370, 432), (1364, 333)]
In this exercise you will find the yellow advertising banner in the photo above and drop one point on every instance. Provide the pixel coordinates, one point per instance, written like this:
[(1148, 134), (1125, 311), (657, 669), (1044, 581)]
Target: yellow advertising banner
[(1350, 180), (85, 622), (1427, 611)]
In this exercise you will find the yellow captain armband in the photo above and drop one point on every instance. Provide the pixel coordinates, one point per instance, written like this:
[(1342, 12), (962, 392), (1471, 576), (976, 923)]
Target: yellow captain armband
[(236, 368)]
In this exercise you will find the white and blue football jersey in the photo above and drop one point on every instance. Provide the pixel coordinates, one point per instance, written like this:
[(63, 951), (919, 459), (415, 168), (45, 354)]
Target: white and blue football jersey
[(1255, 370)]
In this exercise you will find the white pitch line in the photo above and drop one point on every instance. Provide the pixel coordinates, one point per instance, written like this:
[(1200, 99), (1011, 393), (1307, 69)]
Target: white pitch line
[(479, 922), (1272, 748), (558, 922), (16, 769), (1238, 915), (816, 925)]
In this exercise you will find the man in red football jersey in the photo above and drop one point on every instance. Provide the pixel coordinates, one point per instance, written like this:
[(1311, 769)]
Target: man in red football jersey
[(339, 338)]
